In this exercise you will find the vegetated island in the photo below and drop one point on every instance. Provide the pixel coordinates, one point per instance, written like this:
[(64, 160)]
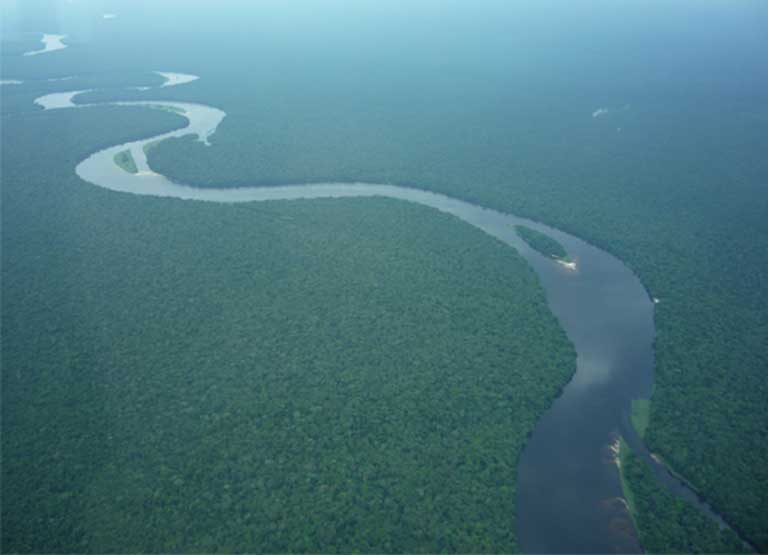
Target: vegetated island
[(125, 160), (665, 523), (545, 245)]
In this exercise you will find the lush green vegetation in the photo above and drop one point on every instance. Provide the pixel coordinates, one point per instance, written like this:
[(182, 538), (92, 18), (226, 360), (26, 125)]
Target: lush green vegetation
[(640, 415), (629, 495), (673, 183), (665, 523), (542, 243), (125, 160), (286, 376)]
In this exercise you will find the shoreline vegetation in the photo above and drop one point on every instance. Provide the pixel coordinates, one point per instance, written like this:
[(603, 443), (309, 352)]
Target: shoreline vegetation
[(124, 160), (621, 449)]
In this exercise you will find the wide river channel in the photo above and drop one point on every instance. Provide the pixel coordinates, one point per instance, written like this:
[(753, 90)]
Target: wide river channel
[(569, 492)]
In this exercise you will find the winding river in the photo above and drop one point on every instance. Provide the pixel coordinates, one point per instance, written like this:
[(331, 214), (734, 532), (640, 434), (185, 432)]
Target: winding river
[(569, 492)]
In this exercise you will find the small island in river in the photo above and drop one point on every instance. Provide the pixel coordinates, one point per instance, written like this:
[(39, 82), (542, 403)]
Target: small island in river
[(544, 244), (125, 160)]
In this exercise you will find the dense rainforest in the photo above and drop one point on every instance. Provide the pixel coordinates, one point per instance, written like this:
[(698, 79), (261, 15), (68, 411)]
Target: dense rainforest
[(643, 137), (288, 376)]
